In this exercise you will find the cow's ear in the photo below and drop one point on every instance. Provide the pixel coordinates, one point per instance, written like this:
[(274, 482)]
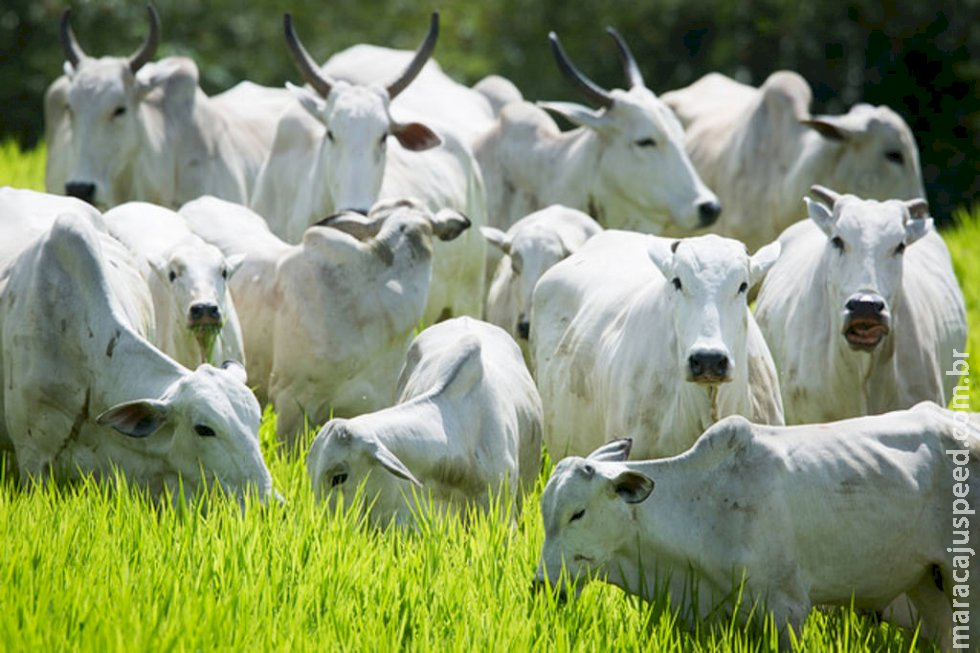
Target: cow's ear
[(497, 238), (467, 369), (69, 70), (632, 487), (236, 369), (157, 73), (137, 419), (233, 264), (920, 224), (830, 127), (578, 114), (762, 260), (415, 136), (821, 215), (615, 451), (313, 104), (661, 252), (448, 224), (383, 456)]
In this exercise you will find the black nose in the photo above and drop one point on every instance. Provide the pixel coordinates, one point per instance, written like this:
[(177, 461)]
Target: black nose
[(708, 212), (205, 313), (708, 365), (865, 304), (524, 329), (82, 190)]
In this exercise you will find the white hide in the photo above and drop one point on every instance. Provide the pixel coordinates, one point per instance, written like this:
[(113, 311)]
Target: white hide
[(326, 323), (196, 321), (760, 150), (616, 326), (856, 512), (466, 428), (529, 249), (84, 392), (331, 154), (801, 310), (624, 164)]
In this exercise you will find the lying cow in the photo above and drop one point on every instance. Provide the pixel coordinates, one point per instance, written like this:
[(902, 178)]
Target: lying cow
[(862, 312), (856, 513), (84, 393), (466, 427), (326, 323), (188, 278), (760, 150), (650, 338), (533, 245), (128, 128)]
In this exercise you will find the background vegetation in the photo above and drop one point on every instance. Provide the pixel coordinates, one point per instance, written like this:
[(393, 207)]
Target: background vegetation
[(920, 58), (86, 570)]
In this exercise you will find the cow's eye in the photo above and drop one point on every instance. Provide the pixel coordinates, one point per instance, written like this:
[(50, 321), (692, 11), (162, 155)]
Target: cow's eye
[(224, 273), (646, 142), (330, 136), (895, 156), (384, 140), (338, 479), (900, 249), (172, 276), (743, 287), (204, 431), (118, 112), (677, 283), (837, 242), (577, 516)]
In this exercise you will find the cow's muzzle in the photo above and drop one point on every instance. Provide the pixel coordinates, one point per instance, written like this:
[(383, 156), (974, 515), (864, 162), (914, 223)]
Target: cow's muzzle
[(866, 321), (82, 190), (709, 367), (204, 316)]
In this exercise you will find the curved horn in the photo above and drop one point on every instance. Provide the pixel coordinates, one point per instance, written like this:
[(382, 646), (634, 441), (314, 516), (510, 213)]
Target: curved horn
[(73, 51), (307, 66), (632, 70), (825, 195), (421, 56), (149, 47), (594, 92)]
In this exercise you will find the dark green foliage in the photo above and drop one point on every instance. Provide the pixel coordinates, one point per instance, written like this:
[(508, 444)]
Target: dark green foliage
[(920, 58)]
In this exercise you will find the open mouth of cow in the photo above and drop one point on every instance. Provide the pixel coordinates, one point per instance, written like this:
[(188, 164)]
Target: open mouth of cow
[(865, 333)]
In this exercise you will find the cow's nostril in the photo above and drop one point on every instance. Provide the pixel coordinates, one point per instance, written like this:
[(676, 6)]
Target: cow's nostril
[(524, 329), (204, 312), (708, 212), (84, 191)]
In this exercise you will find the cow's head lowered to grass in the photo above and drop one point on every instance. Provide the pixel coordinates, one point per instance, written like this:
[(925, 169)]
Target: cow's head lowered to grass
[(866, 240), (357, 123), (708, 280)]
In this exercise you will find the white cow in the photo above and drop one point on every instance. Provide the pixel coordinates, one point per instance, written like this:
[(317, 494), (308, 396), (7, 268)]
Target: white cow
[(532, 246), (331, 155), (121, 129), (326, 323), (760, 150), (648, 338), (855, 512), (84, 393), (196, 321), (466, 428), (625, 164), (862, 312)]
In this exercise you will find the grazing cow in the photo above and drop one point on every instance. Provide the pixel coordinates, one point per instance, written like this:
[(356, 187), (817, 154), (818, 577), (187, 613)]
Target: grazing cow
[(862, 312), (196, 320), (855, 512), (533, 245), (326, 323), (84, 393), (760, 150), (466, 427), (625, 165), (121, 129), (649, 338), (331, 155)]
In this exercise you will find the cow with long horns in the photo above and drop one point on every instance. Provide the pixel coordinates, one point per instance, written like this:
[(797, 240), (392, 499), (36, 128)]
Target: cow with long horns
[(331, 154), (625, 163), (128, 128)]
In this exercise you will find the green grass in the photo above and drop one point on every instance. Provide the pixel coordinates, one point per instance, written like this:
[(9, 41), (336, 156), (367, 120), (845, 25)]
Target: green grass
[(83, 568)]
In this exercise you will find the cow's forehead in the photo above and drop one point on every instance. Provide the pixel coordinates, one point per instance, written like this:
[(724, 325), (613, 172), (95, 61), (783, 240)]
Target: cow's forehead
[(871, 221), (644, 111), (360, 102), (197, 254), (711, 254), (567, 485), (108, 75), (215, 393)]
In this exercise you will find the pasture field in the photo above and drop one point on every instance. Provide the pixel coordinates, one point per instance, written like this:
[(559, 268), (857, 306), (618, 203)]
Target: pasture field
[(85, 569)]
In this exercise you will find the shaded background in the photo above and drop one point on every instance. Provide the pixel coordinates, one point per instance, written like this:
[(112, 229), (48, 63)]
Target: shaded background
[(920, 58)]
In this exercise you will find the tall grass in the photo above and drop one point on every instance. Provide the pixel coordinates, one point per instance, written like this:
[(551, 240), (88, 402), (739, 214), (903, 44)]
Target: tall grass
[(86, 569)]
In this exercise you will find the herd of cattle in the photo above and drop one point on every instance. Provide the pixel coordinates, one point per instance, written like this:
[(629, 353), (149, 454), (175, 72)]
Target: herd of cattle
[(275, 245)]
